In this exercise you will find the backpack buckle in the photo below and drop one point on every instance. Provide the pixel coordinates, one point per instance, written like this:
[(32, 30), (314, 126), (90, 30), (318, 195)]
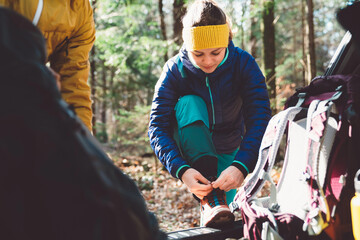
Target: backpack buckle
[(301, 100)]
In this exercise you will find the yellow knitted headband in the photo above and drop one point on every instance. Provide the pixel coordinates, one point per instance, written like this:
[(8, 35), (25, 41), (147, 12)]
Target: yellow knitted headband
[(202, 37)]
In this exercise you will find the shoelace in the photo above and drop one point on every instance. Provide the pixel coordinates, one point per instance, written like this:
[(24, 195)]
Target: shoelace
[(216, 197), (221, 196), (211, 201)]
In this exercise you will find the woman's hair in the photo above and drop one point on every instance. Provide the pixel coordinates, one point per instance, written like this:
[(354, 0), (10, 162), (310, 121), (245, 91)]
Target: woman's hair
[(204, 13)]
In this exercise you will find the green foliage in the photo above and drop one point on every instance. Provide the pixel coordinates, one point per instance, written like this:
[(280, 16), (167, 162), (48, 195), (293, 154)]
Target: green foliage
[(129, 39), (101, 133), (129, 43), (130, 133), (268, 6), (328, 31)]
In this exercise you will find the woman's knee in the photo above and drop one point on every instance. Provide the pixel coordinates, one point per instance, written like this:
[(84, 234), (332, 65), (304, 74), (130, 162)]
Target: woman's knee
[(190, 109), (191, 101)]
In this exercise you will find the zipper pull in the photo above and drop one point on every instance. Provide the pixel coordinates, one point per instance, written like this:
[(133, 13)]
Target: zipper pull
[(207, 81)]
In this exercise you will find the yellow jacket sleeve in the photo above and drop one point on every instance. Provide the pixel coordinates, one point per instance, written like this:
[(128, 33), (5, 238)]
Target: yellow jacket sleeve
[(71, 61), (69, 30)]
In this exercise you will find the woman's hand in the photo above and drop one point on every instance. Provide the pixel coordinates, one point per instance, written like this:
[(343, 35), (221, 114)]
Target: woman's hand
[(230, 178), (196, 183), (56, 76)]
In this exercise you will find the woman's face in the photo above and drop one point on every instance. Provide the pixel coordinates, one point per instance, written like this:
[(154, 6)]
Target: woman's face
[(207, 59)]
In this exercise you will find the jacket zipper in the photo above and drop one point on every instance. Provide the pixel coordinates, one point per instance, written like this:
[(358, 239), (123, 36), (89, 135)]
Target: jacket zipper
[(212, 103)]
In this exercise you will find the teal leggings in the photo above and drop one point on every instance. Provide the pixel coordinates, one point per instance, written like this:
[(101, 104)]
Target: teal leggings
[(193, 136)]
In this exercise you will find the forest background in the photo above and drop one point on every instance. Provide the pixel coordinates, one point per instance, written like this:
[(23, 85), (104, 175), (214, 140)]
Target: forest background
[(292, 41)]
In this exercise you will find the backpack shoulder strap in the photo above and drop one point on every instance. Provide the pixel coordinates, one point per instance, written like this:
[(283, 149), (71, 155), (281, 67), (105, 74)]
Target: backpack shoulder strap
[(267, 154)]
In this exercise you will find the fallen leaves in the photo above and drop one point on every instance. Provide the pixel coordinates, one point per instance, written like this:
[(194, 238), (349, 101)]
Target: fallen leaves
[(165, 196), (171, 202)]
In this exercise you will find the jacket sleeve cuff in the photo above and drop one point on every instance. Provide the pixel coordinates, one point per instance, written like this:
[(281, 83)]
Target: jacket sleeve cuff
[(181, 171), (239, 165)]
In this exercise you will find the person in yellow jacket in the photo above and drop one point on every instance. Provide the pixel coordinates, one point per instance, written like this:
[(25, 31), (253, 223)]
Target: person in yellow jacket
[(69, 29)]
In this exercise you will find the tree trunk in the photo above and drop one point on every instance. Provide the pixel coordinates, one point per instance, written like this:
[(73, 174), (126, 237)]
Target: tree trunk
[(104, 137), (252, 31), (242, 28), (269, 49), (162, 25), (311, 59), (93, 76), (304, 44), (178, 13), (295, 47), (112, 92)]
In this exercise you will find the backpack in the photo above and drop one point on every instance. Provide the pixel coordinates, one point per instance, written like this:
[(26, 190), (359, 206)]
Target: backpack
[(55, 180), (321, 126), (312, 196)]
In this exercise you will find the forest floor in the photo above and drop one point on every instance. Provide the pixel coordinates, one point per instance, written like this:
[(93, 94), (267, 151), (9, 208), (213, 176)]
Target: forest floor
[(167, 197)]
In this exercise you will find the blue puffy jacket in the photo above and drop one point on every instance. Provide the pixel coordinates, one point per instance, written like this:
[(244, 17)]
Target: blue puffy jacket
[(235, 95)]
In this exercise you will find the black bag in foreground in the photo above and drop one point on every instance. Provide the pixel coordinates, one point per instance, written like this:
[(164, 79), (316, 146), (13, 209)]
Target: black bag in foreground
[(55, 181)]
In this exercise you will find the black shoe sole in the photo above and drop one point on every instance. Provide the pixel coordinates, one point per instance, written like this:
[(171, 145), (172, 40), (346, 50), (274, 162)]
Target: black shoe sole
[(221, 219)]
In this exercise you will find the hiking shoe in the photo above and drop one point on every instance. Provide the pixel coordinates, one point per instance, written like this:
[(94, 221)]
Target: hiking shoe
[(214, 210)]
